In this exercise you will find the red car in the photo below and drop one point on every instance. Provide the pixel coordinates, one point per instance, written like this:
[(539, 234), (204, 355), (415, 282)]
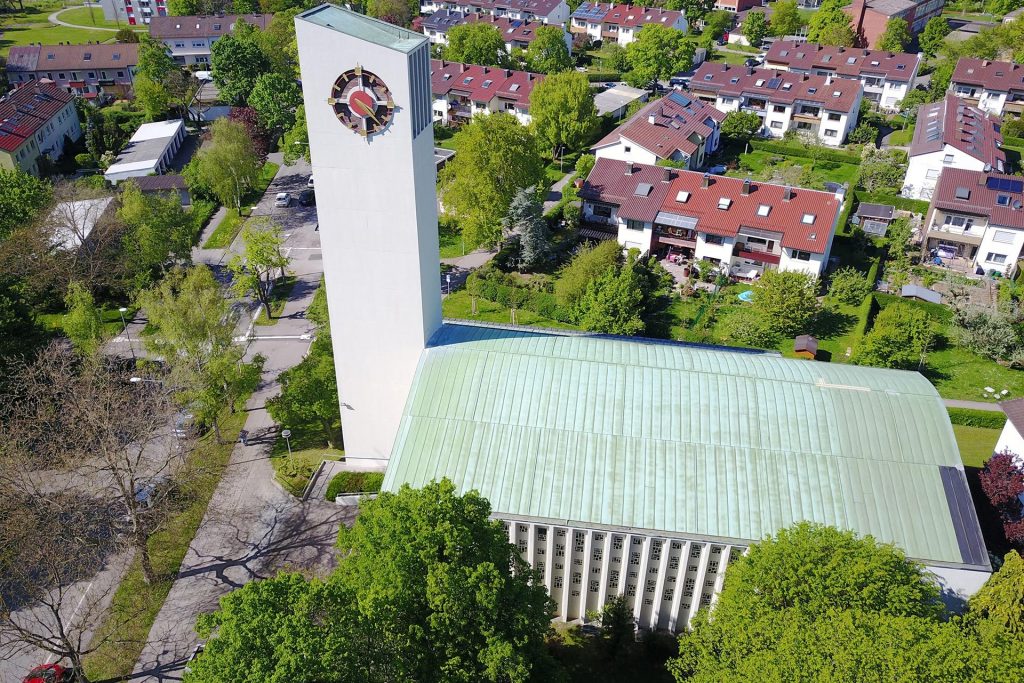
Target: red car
[(50, 673)]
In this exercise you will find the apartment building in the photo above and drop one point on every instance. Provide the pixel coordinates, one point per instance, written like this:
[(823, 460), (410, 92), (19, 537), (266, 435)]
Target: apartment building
[(887, 77), (516, 32), (462, 91), (554, 12), (34, 121), (995, 87), (951, 134), (823, 108), (621, 23), (737, 6), (977, 217), (189, 39), (869, 17), (89, 70), (675, 128), (133, 12), (746, 227)]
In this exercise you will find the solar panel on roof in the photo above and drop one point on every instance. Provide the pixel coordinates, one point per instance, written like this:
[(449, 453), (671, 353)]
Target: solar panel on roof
[(680, 99), (1004, 184), (643, 189), (773, 83)]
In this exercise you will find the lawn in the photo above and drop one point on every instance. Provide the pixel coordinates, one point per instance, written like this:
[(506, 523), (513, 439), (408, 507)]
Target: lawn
[(293, 471), (451, 241), (459, 305), (32, 26), (960, 374), (902, 138), (226, 231), (136, 604), (91, 16), (278, 298), (976, 444), (110, 319), (729, 58), (768, 166)]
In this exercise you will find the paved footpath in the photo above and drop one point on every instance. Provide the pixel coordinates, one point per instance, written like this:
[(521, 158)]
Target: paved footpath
[(974, 405)]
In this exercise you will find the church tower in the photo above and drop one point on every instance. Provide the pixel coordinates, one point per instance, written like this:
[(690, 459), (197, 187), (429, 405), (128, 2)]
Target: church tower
[(366, 88)]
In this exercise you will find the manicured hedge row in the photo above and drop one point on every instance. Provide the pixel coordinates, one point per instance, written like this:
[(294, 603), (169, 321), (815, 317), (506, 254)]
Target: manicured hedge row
[(990, 419), (354, 482), (797, 151), (599, 77), (1013, 142), (902, 203), (866, 313)]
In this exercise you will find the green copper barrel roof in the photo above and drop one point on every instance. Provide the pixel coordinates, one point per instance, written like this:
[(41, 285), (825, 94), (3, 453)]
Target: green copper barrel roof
[(362, 26), (679, 438)]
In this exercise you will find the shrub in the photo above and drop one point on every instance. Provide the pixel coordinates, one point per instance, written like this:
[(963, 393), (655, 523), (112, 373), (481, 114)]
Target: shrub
[(354, 482), (1002, 480), (587, 265), (899, 337), (903, 203), (989, 419), (748, 328), (793, 150), (849, 286)]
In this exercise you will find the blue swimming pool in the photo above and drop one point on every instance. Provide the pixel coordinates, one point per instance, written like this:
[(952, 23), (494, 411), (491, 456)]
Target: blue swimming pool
[(746, 295)]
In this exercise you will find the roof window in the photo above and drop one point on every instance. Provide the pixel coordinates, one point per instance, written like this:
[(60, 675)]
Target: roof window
[(734, 80), (808, 219), (487, 83), (724, 203), (1003, 200), (836, 93), (87, 56), (787, 86), (643, 189), (963, 193), (901, 67), (467, 80), (764, 210), (682, 196), (874, 62), (759, 82), (514, 87), (708, 77), (216, 27), (784, 53), (851, 60), (811, 91)]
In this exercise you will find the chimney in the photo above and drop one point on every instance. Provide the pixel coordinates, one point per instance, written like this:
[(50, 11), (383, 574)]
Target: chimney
[(787, 193), (629, 168), (462, 68), (508, 73), (746, 187), (487, 70), (666, 175), (706, 181), (651, 119)]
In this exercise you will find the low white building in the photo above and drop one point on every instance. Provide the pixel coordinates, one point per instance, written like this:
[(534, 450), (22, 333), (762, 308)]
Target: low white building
[(994, 87), (462, 91), (621, 23), (615, 101), (1012, 437), (149, 152), (820, 107), (951, 134), (745, 227), (887, 77)]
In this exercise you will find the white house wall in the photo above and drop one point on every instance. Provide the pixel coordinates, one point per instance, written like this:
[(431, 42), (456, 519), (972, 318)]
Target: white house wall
[(1000, 240), (627, 150), (923, 170), (1010, 440)]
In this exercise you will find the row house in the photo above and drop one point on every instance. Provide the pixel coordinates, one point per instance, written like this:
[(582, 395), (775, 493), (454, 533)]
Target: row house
[(951, 134), (676, 128), (35, 119), (516, 32), (995, 87), (190, 39), (870, 17), (821, 107), (620, 23), (887, 77), (133, 12), (977, 218), (737, 6), (745, 227), (555, 12), (89, 70), (462, 91)]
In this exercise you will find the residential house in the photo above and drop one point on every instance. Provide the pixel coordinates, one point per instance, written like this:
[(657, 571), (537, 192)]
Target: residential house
[(976, 220), (676, 128), (89, 70), (746, 227), (170, 183), (461, 91), (35, 119), (1012, 437), (995, 87), (951, 134), (821, 107), (887, 77), (737, 6), (555, 12), (869, 17), (516, 32), (621, 23), (190, 38), (133, 12)]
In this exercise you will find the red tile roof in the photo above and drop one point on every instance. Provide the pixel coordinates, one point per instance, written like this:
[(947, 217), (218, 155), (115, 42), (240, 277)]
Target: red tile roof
[(835, 94), (608, 182), (28, 109), (951, 121), (676, 118), (206, 26), (625, 15), (540, 8), (997, 76), (846, 61), (28, 58), (982, 191), (511, 29), (482, 83)]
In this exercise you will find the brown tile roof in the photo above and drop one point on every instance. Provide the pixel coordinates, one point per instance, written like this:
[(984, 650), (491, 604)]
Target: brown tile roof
[(212, 26), (837, 94), (510, 29), (1001, 197), (482, 83), (160, 183), (609, 182), (66, 57), (27, 109), (538, 7), (846, 61), (676, 118), (1015, 414), (997, 76), (951, 121), (625, 15)]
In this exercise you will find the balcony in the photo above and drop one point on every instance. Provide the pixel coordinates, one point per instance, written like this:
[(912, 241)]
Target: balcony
[(972, 235), (807, 116), (759, 256), (459, 109)]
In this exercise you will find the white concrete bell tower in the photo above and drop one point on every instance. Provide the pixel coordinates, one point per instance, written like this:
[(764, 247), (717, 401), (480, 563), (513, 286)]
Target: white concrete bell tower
[(366, 88)]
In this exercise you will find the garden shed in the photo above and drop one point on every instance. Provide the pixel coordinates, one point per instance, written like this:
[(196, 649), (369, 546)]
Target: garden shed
[(806, 346)]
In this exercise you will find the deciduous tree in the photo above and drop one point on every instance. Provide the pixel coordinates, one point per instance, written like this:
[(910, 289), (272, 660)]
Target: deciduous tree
[(849, 286), (1001, 600), (786, 19), (742, 125), (563, 112), (658, 53), (296, 140), (787, 299), (159, 233), (935, 31), (275, 97), (755, 28), (82, 323), (548, 52), (21, 197), (228, 166), (236, 62), (899, 338), (896, 36), (587, 265), (716, 24), (254, 272), (309, 393), (478, 43), (830, 25)]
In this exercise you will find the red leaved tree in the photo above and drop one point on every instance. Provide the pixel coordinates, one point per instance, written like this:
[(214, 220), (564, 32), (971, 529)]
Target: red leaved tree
[(259, 135), (1002, 480)]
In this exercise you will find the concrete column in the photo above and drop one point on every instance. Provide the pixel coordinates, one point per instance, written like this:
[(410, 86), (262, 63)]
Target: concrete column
[(549, 554), (659, 588), (602, 595), (641, 576), (588, 545), (566, 575), (677, 594), (531, 545), (512, 526), (698, 586), (723, 563)]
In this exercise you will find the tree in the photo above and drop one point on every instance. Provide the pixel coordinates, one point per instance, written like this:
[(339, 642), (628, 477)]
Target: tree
[(228, 166), (934, 33), (497, 158), (612, 303), (184, 8), (1001, 599), (82, 321), (584, 165), (615, 58), (755, 28), (741, 125), (126, 35), (899, 338), (154, 67), (449, 598), (830, 25), (849, 286), (658, 53), (19, 332), (296, 139), (695, 10), (236, 62), (21, 197), (159, 233), (309, 393), (478, 43), (398, 12), (587, 265), (881, 170), (863, 133), (786, 19), (258, 134), (526, 224), (279, 45), (1002, 480), (1013, 128), (548, 52), (787, 299), (716, 24), (563, 112), (252, 273), (275, 97), (896, 36)]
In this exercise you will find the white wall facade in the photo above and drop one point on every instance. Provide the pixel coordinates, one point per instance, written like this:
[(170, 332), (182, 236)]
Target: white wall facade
[(779, 118), (626, 150), (378, 226), (1000, 249), (991, 101), (1010, 440), (923, 170), (792, 259)]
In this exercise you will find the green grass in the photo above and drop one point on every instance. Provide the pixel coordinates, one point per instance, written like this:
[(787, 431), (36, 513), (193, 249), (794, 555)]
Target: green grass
[(226, 231), (459, 305), (135, 604), (902, 138), (278, 298), (451, 241), (49, 34), (976, 444), (293, 471), (91, 16), (110, 319), (729, 58), (960, 374), (267, 174), (761, 165)]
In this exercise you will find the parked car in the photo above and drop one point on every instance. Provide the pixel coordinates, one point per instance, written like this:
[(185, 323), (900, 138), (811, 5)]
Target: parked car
[(50, 673), (753, 61), (717, 170), (283, 199), (307, 198), (309, 183)]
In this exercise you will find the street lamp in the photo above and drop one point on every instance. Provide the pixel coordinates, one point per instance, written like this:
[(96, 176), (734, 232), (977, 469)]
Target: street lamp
[(287, 440), (136, 380), (122, 311)]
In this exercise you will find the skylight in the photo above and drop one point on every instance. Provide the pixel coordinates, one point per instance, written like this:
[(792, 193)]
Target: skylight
[(764, 210), (874, 62), (808, 219), (759, 82), (514, 87), (682, 196), (643, 189), (487, 83), (784, 53), (811, 91), (963, 193), (901, 67), (851, 60), (708, 77), (724, 203), (836, 93), (467, 81)]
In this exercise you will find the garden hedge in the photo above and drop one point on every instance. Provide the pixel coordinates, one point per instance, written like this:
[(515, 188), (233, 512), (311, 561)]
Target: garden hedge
[(902, 203), (1013, 142), (600, 77), (784, 149), (354, 482), (542, 303), (865, 315), (967, 417)]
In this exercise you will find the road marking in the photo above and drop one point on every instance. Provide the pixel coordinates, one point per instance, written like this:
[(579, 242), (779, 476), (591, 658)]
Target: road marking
[(71, 620)]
